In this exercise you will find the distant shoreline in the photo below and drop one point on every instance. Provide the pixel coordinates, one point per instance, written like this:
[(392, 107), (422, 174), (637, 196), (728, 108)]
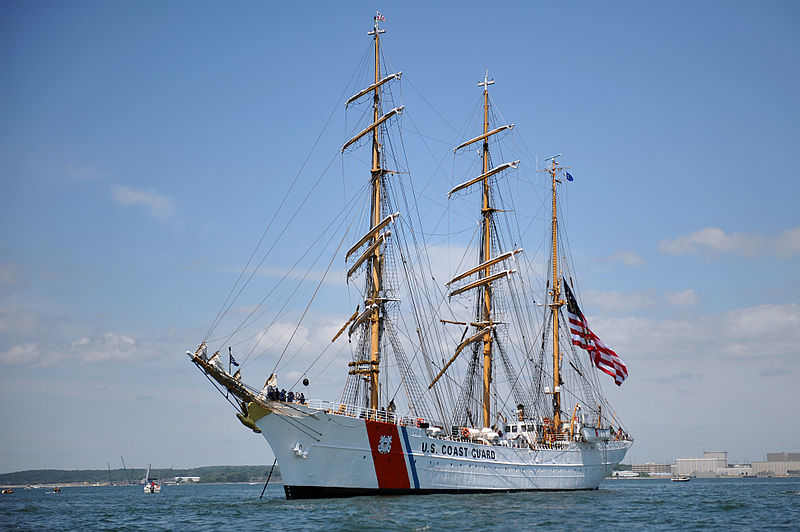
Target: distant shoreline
[(104, 477), (87, 485), (273, 480)]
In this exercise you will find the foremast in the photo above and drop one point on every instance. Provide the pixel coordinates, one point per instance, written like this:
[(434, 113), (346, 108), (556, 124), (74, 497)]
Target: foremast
[(376, 266), (374, 299)]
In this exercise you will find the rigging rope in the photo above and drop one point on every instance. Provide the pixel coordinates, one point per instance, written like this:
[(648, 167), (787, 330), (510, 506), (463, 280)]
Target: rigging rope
[(300, 321), (223, 309)]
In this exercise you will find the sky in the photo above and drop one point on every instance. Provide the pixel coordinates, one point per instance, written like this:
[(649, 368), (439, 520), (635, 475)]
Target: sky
[(144, 147)]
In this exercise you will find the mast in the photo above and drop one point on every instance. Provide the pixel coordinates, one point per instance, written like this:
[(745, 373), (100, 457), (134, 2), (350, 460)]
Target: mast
[(486, 255), (376, 266), (367, 363), (556, 301), (484, 323)]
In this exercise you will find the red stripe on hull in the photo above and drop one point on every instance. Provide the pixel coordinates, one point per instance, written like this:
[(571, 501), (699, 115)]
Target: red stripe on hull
[(387, 455)]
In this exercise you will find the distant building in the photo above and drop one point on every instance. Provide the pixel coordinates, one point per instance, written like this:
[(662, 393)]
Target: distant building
[(783, 457), (778, 465), (652, 468), (180, 480), (736, 470), (702, 467)]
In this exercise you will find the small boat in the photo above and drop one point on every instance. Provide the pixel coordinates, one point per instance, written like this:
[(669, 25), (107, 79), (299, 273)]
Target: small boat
[(8, 491), (151, 485), (56, 489), (681, 479)]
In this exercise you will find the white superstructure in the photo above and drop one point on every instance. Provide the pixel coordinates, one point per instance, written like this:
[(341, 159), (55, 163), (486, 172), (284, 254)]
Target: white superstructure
[(323, 453)]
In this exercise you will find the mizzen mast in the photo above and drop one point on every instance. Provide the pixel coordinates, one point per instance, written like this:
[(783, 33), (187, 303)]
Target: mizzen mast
[(556, 302)]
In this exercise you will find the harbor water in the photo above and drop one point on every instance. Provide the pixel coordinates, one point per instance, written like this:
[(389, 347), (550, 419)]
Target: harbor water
[(619, 504)]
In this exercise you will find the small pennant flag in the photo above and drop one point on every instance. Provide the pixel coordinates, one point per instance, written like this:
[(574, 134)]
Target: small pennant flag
[(569, 176), (233, 361), (380, 18)]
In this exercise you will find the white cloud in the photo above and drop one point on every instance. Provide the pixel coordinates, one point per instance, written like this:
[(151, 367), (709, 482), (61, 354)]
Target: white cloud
[(775, 372), (86, 350), (302, 273), (18, 322), (20, 354), (245, 309), (685, 298), (788, 242), (715, 240), (109, 346), (73, 172), (623, 256), (763, 331), (617, 302), (159, 207), (9, 276), (678, 377)]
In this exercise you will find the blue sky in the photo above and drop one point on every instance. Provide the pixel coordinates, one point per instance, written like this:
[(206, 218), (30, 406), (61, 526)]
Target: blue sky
[(145, 146)]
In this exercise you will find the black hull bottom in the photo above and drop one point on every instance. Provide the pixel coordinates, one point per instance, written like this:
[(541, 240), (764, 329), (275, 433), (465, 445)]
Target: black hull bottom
[(320, 492)]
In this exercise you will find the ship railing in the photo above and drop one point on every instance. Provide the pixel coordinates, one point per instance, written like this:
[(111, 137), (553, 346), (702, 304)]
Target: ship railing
[(382, 416), (343, 409), (553, 441)]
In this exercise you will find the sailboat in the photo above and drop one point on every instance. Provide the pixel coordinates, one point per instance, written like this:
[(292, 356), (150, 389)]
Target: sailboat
[(151, 484), (511, 398)]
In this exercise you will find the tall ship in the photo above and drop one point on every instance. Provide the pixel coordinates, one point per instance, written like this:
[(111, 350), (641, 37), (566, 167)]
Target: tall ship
[(486, 381)]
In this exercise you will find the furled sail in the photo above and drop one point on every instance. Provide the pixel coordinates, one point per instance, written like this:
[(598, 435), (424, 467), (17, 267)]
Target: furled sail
[(361, 318), (493, 171), (370, 250), (372, 87), (483, 281), (371, 233), (483, 265), (484, 136), (378, 122)]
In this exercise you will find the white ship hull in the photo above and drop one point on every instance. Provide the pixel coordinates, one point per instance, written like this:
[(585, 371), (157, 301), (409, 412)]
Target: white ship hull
[(323, 454)]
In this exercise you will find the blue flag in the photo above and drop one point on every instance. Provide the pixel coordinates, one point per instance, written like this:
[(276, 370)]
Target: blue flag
[(569, 176), (233, 361)]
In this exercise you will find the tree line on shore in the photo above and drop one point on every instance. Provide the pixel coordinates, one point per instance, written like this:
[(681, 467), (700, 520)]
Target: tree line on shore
[(207, 474)]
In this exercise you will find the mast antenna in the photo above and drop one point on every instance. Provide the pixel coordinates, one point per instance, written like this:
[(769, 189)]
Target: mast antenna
[(486, 81), (378, 18)]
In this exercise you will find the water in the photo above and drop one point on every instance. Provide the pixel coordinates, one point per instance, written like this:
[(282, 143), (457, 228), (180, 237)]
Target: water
[(619, 504)]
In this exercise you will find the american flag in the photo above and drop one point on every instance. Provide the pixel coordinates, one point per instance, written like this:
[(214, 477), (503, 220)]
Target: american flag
[(603, 356), (380, 18)]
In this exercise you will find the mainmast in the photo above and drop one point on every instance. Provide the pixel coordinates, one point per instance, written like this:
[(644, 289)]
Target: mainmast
[(484, 323), (486, 255), (376, 267)]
